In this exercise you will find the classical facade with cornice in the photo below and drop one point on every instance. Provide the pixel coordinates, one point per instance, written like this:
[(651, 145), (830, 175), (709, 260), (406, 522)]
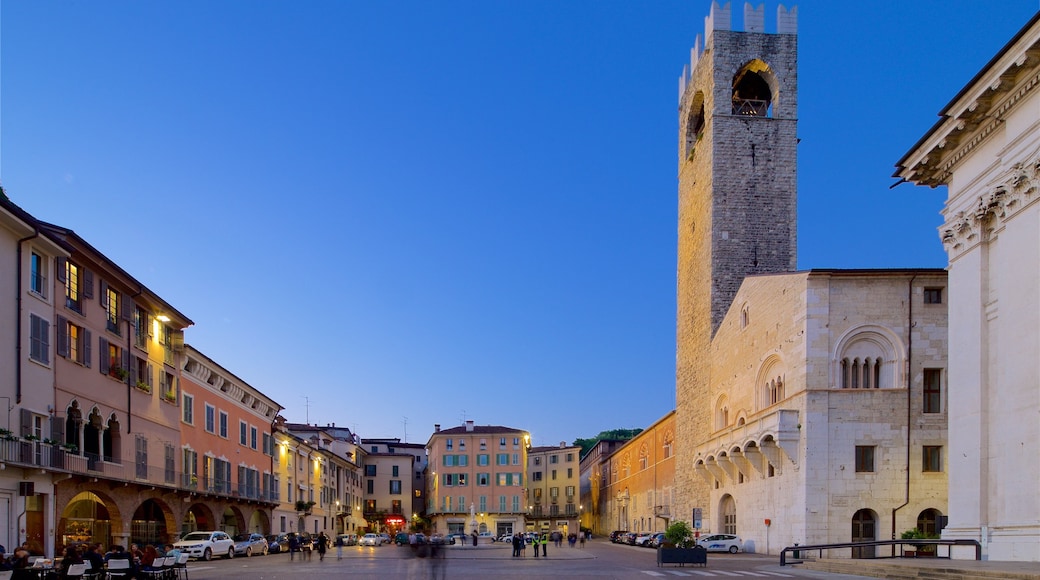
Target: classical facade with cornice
[(986, 150)]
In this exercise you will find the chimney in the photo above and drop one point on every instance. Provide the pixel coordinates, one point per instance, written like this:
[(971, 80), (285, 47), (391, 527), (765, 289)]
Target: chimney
[(563, 444), (469, 426), (436, 427)]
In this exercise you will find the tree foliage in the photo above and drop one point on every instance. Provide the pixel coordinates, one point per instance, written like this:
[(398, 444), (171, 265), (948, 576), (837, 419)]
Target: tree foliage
[(620, 434)]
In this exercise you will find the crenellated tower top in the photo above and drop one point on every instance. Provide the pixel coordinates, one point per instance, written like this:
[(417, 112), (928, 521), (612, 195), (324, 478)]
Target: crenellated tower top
[(720, 17)]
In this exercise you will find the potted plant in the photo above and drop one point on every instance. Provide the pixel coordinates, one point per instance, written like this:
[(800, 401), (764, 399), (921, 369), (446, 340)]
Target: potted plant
[(679, 546), (304, 506), (143, 386), (119, 373), (920, 550)]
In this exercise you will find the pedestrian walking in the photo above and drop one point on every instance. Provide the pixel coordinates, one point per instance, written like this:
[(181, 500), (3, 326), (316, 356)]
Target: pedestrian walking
[(294, 546), (323, 544), (339, 547), (581, 539)]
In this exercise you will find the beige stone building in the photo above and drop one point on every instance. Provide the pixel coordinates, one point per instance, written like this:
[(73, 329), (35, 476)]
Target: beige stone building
[(394, 446), (553, 477), (986, 150), (477, 479), (828, 409)]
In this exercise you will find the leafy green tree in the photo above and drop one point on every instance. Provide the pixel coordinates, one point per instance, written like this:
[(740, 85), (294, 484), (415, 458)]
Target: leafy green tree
[(615, 434), (679, 534)]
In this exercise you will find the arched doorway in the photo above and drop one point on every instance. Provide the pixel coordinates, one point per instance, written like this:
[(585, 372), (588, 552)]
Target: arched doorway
[(148, 525), (864, 529), (728, 513), (86, 519), (928, 522), (230, 522), (198, 517), (260, 523)]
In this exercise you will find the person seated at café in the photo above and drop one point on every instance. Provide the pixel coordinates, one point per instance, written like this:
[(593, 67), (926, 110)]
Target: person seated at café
[(172, 552), (68, 559), (93, 555), (148, 558), (118, 553)]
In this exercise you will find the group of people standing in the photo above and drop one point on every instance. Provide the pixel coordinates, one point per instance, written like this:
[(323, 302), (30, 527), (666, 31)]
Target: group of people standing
[(520, 545)]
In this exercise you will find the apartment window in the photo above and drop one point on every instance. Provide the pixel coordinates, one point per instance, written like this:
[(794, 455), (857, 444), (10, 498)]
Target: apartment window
[(69, 274), (39, 339), (483, 479), (516, 459), (166, 335), (370, 504), (395, 506), (932, 390), (141, 456), (537, 460), (243, 433), (190, 467), (462, 444), (168, 386), (502, 442), (554, 492), (141, 373), (268, 444), (554, 459), (933, 295), (371, 487), (449, 445), (554, 475), (38, 274), (502, 459), (570, 472), (516, 442), (211, 419), (483, 444), (864, 459), (73, 342), (482, 507), (141, 328), (115, 362), (188, 409), (111, 305), (502, 504), (223, 424), (170, 469), (252, 438), (536, 476), (448, 461), (483, 459), (394, 471), (370, 470), (569, 490), (570, 457), (932, 460), (395, 487)]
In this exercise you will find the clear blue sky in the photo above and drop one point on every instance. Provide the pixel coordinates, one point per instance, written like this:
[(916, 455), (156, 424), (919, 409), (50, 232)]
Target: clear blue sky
[(447, 210)]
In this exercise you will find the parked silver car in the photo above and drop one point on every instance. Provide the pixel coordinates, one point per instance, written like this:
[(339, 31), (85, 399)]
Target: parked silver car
[(250, 544)]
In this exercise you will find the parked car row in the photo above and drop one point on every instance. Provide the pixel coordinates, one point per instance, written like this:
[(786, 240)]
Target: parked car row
[(713, 543)]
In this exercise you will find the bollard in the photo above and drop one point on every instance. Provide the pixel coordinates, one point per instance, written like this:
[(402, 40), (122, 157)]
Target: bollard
[(796, 553)]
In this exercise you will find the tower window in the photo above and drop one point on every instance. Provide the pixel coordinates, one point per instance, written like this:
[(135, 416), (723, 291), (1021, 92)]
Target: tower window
[(752, 96)]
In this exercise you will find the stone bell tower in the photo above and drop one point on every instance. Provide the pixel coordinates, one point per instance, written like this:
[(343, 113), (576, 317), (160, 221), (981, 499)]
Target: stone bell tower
[(738, 109)]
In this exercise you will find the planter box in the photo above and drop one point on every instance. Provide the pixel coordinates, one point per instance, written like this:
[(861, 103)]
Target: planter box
[(682, 556)]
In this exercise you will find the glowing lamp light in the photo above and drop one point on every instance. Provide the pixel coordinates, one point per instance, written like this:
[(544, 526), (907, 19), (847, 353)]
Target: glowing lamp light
[(162, 318)]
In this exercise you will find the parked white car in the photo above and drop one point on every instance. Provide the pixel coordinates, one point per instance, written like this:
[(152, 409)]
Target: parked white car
[(371, 540), (205, 545), (721, 543)]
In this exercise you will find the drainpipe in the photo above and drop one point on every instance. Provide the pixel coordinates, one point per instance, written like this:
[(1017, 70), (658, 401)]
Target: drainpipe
[(18, 322), (909, 397)]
